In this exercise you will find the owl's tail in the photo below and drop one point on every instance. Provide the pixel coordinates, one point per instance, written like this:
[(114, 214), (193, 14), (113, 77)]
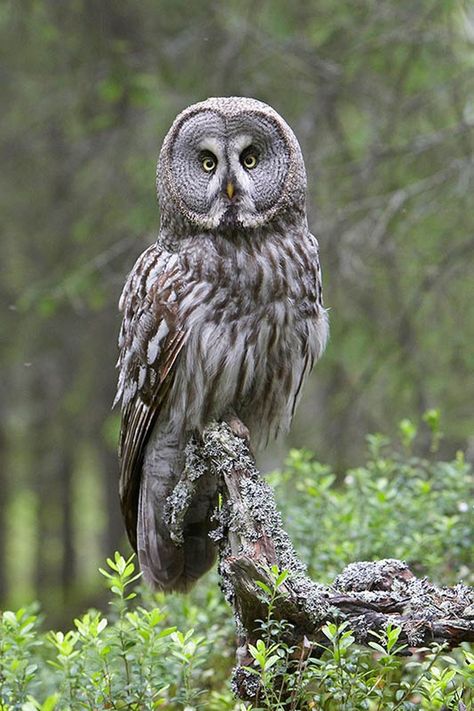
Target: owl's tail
[(166, 565)]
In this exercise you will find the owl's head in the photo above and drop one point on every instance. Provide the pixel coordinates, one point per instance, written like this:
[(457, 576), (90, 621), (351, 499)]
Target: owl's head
[(230, 162)]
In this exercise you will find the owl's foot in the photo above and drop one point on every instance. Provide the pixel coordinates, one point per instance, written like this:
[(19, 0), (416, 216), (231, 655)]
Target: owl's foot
[(237, 426)]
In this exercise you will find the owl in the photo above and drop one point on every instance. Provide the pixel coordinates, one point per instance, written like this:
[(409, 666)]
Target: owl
[(223, 317)]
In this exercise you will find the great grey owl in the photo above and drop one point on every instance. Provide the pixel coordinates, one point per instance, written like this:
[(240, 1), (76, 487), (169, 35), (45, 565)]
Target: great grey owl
[(222, 317)]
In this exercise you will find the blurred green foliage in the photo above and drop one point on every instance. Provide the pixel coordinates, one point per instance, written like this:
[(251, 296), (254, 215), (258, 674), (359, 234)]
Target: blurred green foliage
[(380, 95), (397, 506)]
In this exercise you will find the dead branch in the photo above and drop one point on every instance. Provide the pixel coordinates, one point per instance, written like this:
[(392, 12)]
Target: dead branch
[(369, 595)]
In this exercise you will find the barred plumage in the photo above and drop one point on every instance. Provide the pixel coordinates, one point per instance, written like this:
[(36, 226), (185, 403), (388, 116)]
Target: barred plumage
[(222, 316)]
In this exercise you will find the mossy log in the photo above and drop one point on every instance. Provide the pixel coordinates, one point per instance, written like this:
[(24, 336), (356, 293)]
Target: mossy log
[(251, 539)]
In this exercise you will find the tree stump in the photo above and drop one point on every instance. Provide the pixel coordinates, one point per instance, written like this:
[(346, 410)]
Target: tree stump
[(251, 539)]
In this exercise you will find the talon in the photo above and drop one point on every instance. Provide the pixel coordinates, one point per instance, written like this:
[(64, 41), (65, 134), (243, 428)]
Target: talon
[(237, 426)]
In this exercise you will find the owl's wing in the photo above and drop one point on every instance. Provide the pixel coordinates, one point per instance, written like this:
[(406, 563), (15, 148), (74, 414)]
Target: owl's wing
[(150, 341)]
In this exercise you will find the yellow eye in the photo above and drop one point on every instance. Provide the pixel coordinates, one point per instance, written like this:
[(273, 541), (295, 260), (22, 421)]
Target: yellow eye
[(250, 161), (209, 163)]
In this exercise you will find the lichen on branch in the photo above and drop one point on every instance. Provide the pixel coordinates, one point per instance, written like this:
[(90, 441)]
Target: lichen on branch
[(251, 540)]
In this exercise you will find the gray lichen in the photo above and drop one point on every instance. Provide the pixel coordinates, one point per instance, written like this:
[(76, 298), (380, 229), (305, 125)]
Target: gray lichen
[(182, 495), (244, 684), (371, 575)]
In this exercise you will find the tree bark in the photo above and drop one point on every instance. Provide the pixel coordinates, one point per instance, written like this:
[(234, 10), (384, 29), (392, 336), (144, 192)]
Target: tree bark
[(251, 539)]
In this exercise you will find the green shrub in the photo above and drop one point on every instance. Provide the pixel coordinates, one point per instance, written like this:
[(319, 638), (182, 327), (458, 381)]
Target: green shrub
[(397, 506), (150, 651), (348, 677)]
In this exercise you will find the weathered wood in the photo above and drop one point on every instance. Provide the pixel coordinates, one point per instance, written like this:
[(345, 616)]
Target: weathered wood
[(251, 539)]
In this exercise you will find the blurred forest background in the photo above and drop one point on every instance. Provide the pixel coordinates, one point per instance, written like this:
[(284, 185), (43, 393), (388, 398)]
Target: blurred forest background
[(381, 97)]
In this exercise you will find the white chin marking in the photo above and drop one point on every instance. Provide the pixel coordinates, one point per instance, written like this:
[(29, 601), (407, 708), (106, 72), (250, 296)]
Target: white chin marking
[(215, 214)]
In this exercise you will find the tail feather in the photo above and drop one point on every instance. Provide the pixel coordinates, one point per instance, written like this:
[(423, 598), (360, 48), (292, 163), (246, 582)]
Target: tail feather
[(166, 565)]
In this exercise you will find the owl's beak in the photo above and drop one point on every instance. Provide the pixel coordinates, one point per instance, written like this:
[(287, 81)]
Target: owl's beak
[(230, 190)]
